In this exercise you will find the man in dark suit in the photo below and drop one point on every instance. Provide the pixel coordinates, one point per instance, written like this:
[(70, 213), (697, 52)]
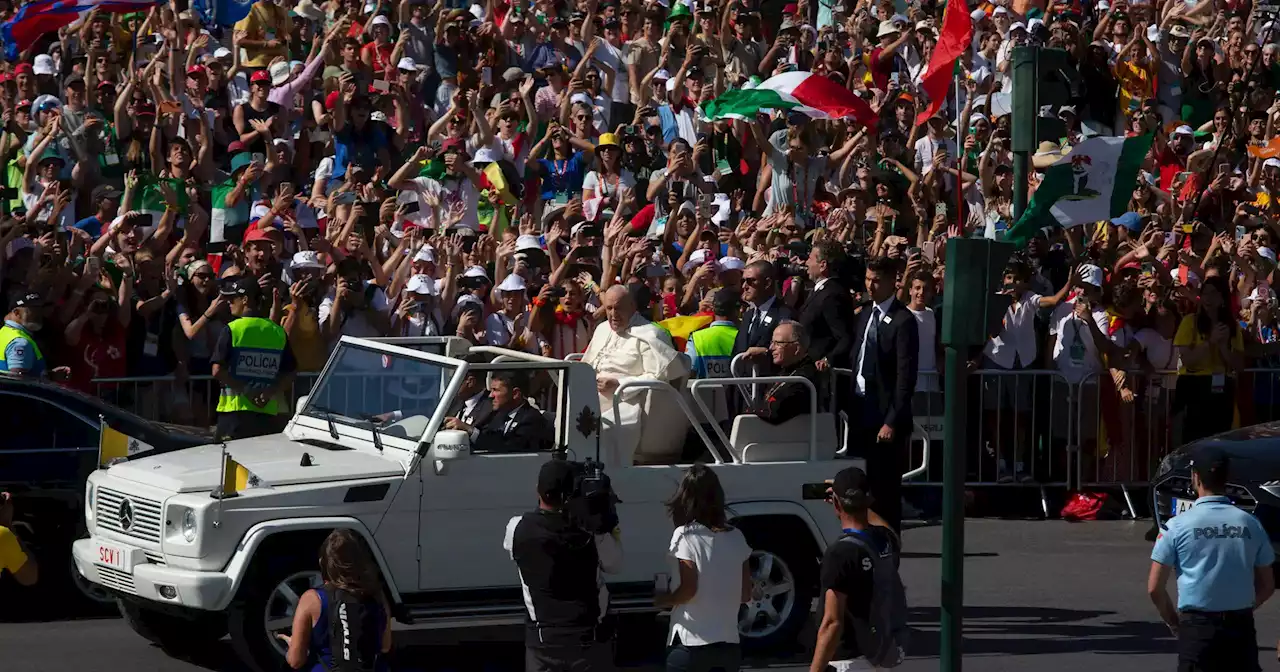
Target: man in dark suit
[(513, 426), (828, 311), (884, 357), (764, 312), (472, 405)]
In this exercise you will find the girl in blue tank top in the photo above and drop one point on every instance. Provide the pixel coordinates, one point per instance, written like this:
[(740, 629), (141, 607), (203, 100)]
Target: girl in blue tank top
[(344, 625)]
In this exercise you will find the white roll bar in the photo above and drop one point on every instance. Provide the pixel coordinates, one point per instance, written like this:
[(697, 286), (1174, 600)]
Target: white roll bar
[(695, 385), (836, 373), (662, 386)]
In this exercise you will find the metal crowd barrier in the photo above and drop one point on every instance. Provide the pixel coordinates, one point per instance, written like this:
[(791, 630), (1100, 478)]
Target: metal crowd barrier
[(186, 401)]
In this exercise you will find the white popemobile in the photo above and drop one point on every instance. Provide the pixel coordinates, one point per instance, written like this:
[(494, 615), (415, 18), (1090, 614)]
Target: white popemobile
[(189, 566)]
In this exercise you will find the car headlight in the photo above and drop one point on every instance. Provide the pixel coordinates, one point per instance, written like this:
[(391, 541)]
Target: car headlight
[(189, 525), (88, 506)]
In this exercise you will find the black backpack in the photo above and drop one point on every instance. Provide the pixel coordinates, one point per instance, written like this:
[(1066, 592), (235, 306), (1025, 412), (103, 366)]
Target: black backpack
[(355, 631), (882, 637)]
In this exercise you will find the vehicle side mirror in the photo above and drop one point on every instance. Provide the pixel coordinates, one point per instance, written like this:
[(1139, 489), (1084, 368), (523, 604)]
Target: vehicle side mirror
[(300, 404), (447, 446)]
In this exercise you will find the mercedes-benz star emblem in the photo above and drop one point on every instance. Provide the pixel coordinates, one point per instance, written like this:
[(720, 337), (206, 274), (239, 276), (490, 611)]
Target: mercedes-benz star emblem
[(126, 515)]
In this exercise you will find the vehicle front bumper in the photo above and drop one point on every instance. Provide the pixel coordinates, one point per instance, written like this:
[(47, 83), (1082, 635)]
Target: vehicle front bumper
[(145, 579)]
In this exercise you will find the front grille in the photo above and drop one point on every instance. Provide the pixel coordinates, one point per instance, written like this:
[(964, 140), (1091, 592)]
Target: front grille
[(1180, 487), (154, 558), (128, 514), (116, 579)]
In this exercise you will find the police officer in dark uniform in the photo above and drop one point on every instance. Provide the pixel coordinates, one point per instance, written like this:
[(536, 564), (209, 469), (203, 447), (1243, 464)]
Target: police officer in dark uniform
[(1222, 557)]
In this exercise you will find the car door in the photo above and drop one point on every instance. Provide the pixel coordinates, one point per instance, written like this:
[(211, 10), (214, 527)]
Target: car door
[(44, 443)]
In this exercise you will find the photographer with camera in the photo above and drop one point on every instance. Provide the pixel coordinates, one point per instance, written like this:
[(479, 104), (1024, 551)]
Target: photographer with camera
[(562, 551)]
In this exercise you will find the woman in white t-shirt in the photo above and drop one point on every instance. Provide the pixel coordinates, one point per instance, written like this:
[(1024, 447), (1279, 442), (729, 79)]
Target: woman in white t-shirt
[(715, 578)]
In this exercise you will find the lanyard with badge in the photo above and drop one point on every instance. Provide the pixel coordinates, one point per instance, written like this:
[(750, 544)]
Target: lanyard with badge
[(1076, 350), (562, 188)]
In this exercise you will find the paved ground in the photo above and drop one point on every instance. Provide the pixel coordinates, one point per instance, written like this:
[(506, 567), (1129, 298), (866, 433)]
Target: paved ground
[(1042, 595)]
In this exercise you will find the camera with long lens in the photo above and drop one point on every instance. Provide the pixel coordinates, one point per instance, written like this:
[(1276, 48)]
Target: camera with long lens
[(593, 505)]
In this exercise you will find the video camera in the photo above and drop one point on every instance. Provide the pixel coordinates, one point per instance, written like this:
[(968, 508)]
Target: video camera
[(593, 505)]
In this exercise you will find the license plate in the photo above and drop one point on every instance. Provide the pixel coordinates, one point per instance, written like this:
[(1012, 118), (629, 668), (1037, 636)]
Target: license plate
[(110, 555), (1180, 505)]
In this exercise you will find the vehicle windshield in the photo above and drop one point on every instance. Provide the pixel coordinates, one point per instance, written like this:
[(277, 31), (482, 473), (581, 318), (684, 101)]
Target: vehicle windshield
[(362, 385)]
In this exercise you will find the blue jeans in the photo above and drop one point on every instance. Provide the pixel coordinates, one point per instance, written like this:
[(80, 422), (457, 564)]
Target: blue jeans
[(718, 657)]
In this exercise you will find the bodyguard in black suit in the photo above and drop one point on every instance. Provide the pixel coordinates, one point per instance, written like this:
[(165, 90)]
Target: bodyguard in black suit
[(764, 312), (511, 425), (828, 311), (884, 358)]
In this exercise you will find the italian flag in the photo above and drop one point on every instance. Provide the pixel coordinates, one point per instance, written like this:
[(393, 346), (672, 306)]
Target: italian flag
[(1091, 184), (814, 95)]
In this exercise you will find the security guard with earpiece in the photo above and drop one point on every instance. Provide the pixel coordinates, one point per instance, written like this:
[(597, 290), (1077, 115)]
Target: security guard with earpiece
[(253, 363), (1222, 557)]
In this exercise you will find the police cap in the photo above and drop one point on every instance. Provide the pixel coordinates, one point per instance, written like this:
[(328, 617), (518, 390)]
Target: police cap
[(1210, 462)]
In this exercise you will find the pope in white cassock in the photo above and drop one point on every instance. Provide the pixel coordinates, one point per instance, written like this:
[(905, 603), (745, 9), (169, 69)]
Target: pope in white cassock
[(628, 347)]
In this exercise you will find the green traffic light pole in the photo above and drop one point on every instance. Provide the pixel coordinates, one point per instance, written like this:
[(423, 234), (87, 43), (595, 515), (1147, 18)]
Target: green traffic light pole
[(974, 269)]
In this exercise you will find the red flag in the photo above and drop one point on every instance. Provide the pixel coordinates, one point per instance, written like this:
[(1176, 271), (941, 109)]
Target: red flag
[(957, 33)]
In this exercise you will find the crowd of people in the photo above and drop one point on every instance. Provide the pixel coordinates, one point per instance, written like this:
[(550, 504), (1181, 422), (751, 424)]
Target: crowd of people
[(490, 171)]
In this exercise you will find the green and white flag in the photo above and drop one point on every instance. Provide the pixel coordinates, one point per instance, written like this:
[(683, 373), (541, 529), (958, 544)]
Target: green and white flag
[(1091, 184)]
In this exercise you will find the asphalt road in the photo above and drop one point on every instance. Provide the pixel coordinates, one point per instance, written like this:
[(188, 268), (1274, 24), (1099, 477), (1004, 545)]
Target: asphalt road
[(1043, 595)]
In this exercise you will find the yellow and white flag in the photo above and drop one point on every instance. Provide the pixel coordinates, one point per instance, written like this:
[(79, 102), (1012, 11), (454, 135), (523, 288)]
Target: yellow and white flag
[(235, 476), (113, 444)]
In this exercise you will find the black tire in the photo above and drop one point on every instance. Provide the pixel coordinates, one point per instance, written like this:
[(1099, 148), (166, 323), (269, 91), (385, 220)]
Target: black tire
[(246, 620), (174, 634), (789, 555)]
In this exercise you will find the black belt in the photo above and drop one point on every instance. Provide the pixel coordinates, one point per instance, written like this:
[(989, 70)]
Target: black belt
[(1232, 613)]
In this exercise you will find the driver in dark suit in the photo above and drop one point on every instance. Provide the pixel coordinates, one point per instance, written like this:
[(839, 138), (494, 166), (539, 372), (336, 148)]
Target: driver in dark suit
[(513, 426)]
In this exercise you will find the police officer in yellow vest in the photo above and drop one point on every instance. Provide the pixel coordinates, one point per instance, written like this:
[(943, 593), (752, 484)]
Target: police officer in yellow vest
[(253, 363), (22, 356), (711, 348)]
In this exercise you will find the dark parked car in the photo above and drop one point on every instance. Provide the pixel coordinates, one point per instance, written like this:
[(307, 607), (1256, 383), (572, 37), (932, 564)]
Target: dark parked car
[(48, 447), (1253, 476)]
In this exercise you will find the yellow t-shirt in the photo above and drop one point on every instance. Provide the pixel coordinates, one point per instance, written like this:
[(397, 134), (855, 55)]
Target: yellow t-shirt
[(1189, 337), (11, 556), (265, 21), (309, 349), (1135, 81)]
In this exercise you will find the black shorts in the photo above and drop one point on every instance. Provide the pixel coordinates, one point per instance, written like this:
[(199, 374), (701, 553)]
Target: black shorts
[(594, 657), (1223, 641)]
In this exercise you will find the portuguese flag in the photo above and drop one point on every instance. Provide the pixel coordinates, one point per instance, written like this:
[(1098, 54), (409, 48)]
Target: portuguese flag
[(814, 95)]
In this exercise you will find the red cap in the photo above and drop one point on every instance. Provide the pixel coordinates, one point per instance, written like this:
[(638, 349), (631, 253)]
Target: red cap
[(6, 77), (22, 68), (454, 145), (198, 70), (256, 234), (24, 104), (145, 109), (235, 146), (260, 76), (790, 8), (104, 84), (331, 100)]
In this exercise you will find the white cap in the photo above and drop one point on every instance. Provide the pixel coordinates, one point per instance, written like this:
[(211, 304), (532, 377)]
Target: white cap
[(662, 73), (306, 259), (524, 243), (425, 254), (1102, 5), (407, 64), (222, 52), (1271, 163), (581, 98), (422, 284), (1091, 275), (722, 205), (1183, 130), (698, 257), (380, 20), (1000, 10), (732, 264), (477, 11), (279, 73), (671, 85), (1031, 24), (924, 25), (43, 65), (887, 28), (475, 272), (486, 155), (512, 283), (1153, 33), (977, 15), (1017, 25)]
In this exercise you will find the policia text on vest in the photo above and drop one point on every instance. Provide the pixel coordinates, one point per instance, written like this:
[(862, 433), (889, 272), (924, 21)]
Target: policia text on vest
[(253, 363)]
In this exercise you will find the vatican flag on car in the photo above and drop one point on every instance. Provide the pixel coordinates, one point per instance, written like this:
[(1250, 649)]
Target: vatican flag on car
[(235, 476), (115, 445)]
